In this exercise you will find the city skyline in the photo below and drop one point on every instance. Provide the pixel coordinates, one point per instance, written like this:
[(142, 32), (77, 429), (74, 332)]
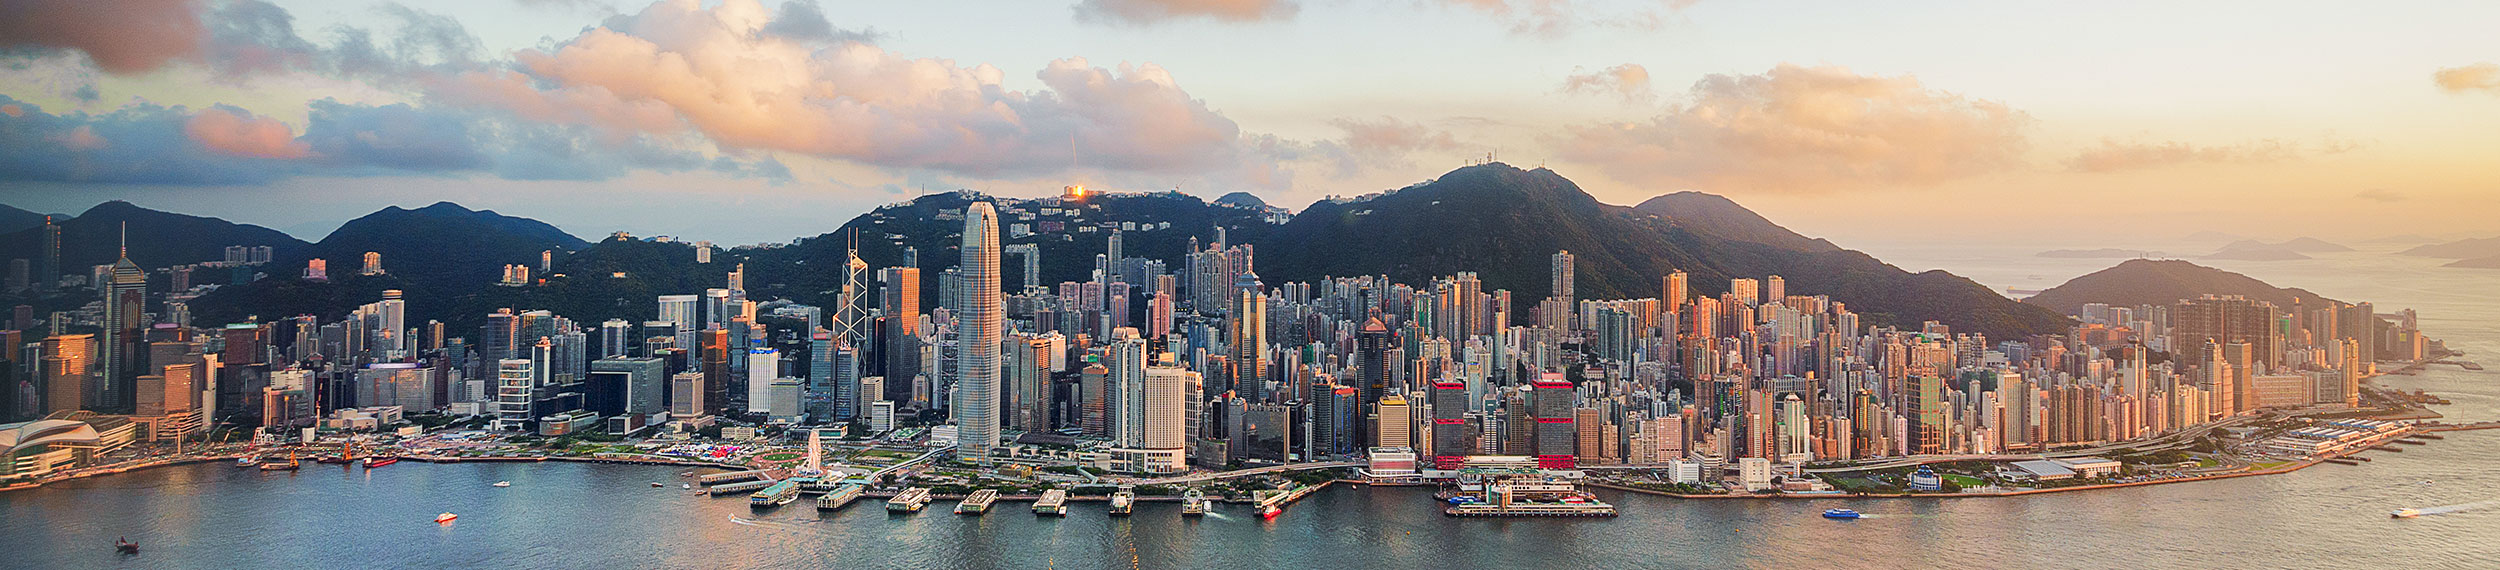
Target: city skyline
[(2079, 109)]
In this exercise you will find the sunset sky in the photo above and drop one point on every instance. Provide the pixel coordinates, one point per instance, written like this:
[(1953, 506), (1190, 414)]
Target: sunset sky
[(2110, 123)]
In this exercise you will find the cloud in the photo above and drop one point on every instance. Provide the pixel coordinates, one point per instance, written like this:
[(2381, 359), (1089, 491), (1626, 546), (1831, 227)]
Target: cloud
[(2477, 77), (1153, 11), (805, 21), (129, 36), (679, 67), (1557, 17), (1805, 129), (1629, 81), (2113, 155), (140, 143), (2381, 195), (234, 131)]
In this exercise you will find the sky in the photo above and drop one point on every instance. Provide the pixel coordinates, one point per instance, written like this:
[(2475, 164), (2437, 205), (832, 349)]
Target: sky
[(747, 121)]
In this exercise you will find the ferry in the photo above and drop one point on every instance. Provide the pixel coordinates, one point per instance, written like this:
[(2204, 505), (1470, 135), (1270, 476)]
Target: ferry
[(909, 501), (1842, 514), (2405, 513), (246, 461), (840, 497), (125, 546), (445, 517), (778, 494), (656, 485), (685, 485), (1193, 503), (1123, 502), (978, 503), (502, 484), (1269, 512), (378, 461), (1054, 502)]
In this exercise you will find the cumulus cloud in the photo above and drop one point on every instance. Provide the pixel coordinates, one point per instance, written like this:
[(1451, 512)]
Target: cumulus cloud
[(1805, 129), (1557, 17), (130, 36), (678, 66), (2477, 77), (1152, 11), (234, 131), (2113, 155), (1629, 81), (139, 143)]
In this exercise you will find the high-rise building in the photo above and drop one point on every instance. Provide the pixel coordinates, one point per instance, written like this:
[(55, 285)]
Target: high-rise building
[(1565, 284), (373, 264), (2223, 319), (67, 362), (763, 366), (1452, 441), (1247, 325), (1557, 439), (1395, 422), (516, 380), (123, 342), (899, 305), (980, 320)]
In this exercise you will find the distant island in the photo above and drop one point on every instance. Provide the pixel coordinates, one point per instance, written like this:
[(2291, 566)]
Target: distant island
[(2102, 253)]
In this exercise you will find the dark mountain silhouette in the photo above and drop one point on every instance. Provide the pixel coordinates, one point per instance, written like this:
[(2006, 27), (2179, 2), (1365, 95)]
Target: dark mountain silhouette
[(13, 219), (1243, 199), (157, 239), (2162, 282), (442, 248), (1504, 223)]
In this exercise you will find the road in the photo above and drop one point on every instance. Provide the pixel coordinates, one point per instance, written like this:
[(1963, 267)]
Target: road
[(1272, 469)]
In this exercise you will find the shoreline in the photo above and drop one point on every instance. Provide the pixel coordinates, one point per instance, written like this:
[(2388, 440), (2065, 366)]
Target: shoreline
[(152, 464)]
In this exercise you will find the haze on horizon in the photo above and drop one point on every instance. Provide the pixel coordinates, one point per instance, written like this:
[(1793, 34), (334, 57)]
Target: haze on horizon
[(742, 121)]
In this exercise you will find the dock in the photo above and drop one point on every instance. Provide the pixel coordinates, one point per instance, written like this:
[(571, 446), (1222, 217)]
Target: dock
[(978, 503), (840, 497), (909, 501), (778, 494), (1054, 502), (731, 477), (740, 487)]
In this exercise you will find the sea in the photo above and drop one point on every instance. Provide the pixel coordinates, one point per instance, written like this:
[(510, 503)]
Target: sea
[(573, 515)]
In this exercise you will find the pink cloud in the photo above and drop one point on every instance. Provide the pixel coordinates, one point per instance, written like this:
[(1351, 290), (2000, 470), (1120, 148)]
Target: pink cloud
[(1806, 129), (677, 67), (121, 36), (1629, 81), (82, 138), (1150, 11), (235, 132)]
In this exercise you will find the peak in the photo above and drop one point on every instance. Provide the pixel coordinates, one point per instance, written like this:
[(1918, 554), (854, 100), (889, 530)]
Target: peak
[(1241, 199), (444, 206)]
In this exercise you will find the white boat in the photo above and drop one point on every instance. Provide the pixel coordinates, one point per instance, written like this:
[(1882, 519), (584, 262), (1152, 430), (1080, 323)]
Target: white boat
[(2405, 513), (503, 483), (685, 485)]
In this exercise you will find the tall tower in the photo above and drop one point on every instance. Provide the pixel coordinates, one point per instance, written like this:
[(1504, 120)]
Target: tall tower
[(981, 320), (1565, 285), (125, 325), (1249, 336), (850, 319)]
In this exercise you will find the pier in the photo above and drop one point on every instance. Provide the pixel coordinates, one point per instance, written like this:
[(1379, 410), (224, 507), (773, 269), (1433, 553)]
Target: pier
[(978, 503), (1054, 502), (909, 501), (840, 497)]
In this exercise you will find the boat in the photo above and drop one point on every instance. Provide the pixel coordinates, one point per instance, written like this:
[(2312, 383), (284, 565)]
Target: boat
[(445, 517), (909, 501), (2405, 513), (501, 484), (1193, 503), (1054, 502), (125, 546), (290, 465), (1123, 502), (1842, 514), (247, 461), (840, 496), (978, 503), (656, 484), (1269, 512), (378, 461), (685, 485)]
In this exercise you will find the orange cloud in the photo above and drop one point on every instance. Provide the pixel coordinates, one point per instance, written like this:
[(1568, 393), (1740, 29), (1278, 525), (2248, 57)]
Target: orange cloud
[(231, 131), (2477, 77), (124, 36), (1630, 81), (1805, 129), (1150, 11), (679, 66)]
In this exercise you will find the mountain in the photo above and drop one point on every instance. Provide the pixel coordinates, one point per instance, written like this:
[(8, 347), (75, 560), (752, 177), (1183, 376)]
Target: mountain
[(2103, 253), (2404, 239), (2460, 249), (1242, 199), (2492, 262), (13, 219), (2162, 282), (157, 239), (442, 248), (1713, 215), (2252, 250), (1504, 224)]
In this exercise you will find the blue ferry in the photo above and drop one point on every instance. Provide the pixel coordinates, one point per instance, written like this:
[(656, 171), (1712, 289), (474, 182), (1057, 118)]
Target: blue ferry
[(1842, 514)]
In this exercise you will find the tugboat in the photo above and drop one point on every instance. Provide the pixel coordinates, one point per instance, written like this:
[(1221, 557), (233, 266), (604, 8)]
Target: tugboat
[(1194, 503), (125, 546), (445, 518), (1841, 514)]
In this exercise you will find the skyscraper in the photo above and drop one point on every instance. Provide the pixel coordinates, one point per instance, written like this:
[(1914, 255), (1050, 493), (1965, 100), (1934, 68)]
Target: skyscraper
[(124, 342), (1248, 327), (980, 319), (900, 305), (1565, 286)]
